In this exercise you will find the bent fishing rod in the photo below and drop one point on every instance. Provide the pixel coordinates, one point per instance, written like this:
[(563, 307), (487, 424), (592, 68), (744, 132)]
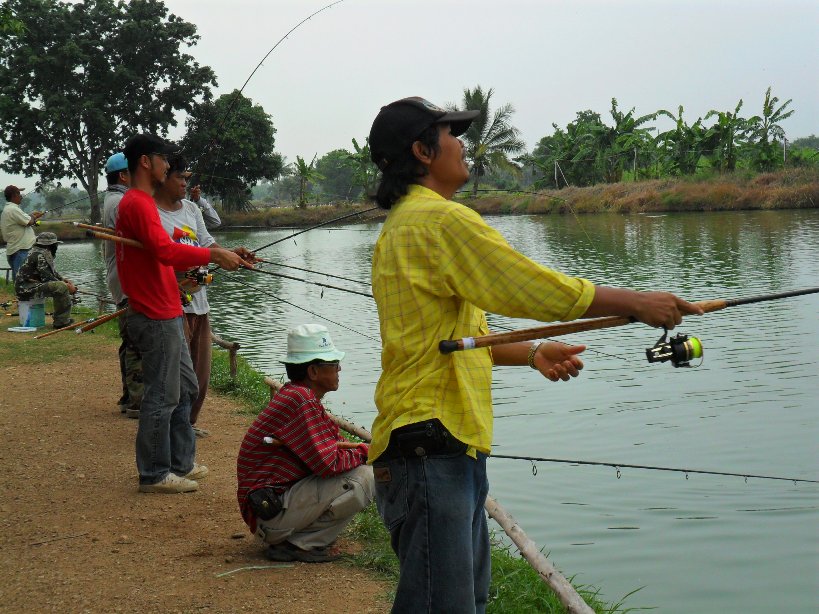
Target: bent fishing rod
[(679, 349), (618, 466)]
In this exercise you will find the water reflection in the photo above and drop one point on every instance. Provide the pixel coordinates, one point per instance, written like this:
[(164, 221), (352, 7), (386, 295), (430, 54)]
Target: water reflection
[(749, 408)]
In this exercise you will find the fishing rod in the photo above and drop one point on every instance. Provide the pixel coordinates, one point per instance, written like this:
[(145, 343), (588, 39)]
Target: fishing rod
[(312, 313), (619, 466), (307, 281), (290, 266), (680, 349), (235, 99), (93, 228), (295, 234), (89, 324)]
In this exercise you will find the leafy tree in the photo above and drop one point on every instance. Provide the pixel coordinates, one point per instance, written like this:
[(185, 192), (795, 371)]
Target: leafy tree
[(490, 138), (9, 24), (305, 173), (683, 146), (765, 130), (338, 169), (810, 142), (727, 135), (231, 141), (55, 196), (79, 78), (567, 157), (366, 173)]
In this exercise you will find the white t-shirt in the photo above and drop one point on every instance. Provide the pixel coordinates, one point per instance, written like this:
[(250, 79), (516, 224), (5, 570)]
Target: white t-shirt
[(187, 226)]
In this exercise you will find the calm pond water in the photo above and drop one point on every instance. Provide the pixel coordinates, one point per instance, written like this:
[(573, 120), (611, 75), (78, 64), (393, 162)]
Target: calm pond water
[(691, 544)]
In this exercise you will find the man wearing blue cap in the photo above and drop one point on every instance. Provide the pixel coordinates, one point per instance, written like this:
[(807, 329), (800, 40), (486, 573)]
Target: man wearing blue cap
[(130, 362)]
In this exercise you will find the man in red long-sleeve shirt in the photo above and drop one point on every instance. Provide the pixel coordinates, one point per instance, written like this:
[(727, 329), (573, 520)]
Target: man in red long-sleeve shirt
[(298, 494), (165, 442)]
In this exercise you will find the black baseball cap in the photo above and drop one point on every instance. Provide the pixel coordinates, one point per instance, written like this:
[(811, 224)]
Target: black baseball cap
[(146, 144), (400, 123)]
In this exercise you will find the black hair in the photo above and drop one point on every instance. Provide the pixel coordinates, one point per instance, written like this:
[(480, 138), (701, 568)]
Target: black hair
[(297, 373), (177, 163), (405, 170), (112, 178), (53, 249)]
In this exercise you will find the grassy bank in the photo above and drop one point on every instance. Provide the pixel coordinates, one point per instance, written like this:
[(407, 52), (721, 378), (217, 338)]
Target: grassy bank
[(793, 189), (276, 217), (515, 588)]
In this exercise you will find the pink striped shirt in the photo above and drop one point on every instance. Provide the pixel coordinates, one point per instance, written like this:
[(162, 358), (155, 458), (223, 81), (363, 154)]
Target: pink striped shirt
[(296, 418)]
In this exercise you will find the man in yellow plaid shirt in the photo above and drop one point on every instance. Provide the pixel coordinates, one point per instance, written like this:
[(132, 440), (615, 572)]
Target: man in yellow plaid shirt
[(436, 268)]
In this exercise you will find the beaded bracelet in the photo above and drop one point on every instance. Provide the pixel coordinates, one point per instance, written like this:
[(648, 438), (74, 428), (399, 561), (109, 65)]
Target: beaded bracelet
[(532, 351)]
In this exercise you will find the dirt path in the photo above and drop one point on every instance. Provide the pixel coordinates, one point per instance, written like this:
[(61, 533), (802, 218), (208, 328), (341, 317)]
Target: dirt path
[(68, 478)]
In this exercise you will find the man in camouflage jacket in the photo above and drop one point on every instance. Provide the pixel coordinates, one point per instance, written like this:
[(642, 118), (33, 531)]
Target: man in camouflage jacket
[(37, 278)]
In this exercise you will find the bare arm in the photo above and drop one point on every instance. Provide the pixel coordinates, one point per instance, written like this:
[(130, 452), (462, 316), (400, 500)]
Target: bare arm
[(555, 361), (652, 308)]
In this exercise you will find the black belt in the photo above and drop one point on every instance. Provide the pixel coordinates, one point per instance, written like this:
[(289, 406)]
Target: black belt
[(420, 439)]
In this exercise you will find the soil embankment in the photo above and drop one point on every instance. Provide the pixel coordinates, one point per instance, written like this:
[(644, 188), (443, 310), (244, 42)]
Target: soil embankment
[(76, 536)]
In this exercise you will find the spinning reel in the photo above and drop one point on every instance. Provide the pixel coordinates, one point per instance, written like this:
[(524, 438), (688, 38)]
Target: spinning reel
[(680, 350)]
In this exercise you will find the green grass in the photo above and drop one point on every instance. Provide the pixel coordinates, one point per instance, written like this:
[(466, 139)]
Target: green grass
[(515, 588), (23, 349)]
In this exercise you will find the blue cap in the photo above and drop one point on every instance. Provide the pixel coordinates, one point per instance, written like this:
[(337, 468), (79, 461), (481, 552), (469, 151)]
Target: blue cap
[(116, 163)]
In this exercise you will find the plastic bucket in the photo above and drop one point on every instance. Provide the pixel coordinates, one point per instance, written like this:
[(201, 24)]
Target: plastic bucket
[(32, 313)]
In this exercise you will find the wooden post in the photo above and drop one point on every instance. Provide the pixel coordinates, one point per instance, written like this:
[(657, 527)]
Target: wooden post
[(232, 347), (564, 590)]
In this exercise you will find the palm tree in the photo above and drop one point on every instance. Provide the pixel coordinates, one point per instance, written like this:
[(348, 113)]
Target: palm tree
[(489, 141), (306, 173)]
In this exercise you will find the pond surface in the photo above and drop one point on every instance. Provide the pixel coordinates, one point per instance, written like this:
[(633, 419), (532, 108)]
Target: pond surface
[(693, 543)]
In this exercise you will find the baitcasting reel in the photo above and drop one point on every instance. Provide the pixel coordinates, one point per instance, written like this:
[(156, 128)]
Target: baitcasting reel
[(680, 350)]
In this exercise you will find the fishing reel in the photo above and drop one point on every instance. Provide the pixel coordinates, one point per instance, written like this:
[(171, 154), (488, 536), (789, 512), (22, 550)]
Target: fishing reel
[(200, 275), (680, 350)]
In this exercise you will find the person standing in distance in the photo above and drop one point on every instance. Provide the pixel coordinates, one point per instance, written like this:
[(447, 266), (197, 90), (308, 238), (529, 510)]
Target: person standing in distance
[(16, 228)]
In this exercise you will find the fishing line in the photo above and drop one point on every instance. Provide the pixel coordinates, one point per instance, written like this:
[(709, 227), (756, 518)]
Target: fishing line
[(290, 266), (306, 281), (618, 466), (312, 313), (272, 49)]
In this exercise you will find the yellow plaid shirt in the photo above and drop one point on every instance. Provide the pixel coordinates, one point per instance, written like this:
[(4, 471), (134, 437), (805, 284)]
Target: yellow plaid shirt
[(437, 266)]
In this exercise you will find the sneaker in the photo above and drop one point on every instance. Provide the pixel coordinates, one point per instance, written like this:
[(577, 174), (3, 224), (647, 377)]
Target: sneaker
[(69, 322), (132, 413), (197, 473), (171, 483), (286, 552), (201, 433)]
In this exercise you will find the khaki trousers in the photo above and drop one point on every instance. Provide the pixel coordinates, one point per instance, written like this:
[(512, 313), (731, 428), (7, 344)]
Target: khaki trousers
[(317, 509)]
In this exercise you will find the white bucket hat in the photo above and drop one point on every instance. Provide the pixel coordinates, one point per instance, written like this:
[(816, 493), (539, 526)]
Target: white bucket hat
[(309, 342)]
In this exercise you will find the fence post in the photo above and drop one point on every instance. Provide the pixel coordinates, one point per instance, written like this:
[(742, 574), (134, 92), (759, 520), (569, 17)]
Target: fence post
[(232, 347)]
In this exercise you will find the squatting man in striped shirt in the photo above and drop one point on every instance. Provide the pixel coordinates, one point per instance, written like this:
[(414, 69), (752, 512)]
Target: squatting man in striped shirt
[(300, 482)]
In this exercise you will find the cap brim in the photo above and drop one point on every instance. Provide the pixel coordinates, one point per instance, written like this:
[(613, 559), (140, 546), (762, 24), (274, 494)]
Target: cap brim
[(302, 357), (458, 121), (186, 174)]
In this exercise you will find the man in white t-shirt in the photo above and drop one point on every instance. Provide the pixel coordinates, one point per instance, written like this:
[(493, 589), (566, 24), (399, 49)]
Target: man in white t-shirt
[(16, 228), (183, 221)]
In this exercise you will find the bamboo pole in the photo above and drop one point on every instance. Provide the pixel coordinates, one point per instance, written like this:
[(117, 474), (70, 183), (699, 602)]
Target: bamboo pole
[(102, 320), (564, 590), (103, 229), (448, 346), (114, 238), (232, 347)]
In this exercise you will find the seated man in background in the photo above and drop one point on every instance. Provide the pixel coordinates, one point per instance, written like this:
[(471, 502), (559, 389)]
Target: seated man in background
[(300, 482), (37, 278)]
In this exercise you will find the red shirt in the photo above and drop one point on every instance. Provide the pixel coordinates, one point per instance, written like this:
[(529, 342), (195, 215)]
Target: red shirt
[(296, 418), (147, 275)]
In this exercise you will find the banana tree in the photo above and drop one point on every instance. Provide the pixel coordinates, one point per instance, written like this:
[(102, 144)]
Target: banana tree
[(683, 146), (305, 173), (765, 130), (728, 134)]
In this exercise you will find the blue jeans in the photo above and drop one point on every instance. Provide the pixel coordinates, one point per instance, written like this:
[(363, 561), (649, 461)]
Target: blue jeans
[(16, 260), (165, 441), (433, 508)]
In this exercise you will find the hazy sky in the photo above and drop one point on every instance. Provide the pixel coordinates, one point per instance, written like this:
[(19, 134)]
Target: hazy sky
[(325, 83)]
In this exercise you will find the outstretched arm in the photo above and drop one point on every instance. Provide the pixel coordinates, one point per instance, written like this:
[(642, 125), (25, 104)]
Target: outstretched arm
[(555, 361)]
